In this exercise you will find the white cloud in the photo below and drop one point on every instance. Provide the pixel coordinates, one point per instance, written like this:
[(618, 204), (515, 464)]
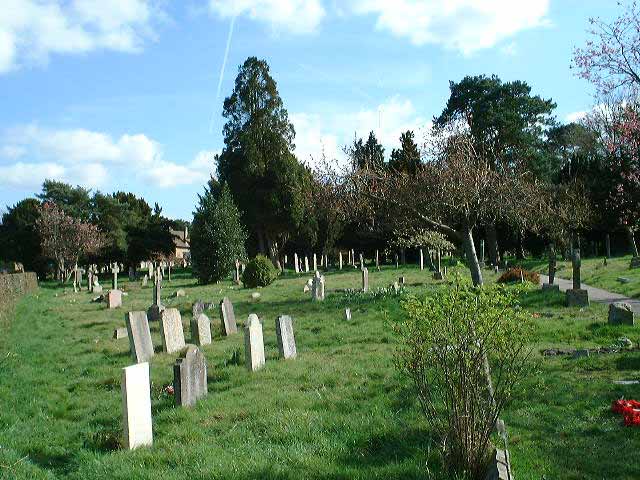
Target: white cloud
[(31, 30), (91, 159), (315, 132), (510, 49), (464, 25), (576, 116), (294, 16)]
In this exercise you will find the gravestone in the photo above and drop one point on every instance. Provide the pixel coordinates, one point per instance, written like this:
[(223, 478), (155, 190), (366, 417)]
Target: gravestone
[(253, 343), (145, 280), (114, 270), (347, 314), (90, 280), (228, 317), (340, 260), (361, 261), (317, 287), (171, 330), (190, 377), (119, 333), (437, 275), (421, 259), (577, 297), (201, 329), (365, 280), (552, 271), (236, 273), (396, 260), (139, 336), (401, 280), (284, 334), (306, 264), (197, 308), (114, 299), (296, 265), (132, 274), (377, 259), (136, 406), (499, 466), (315, 262), (155, 310), (620, 313)]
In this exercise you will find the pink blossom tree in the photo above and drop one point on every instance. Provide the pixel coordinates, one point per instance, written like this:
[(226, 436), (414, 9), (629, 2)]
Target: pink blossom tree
[(65, 239)]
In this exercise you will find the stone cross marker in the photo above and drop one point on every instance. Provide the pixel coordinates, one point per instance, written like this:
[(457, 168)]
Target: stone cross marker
[(190, 377), (286, 340), (171, 330), (115, 270), (365, 280), (228, 317), (136, 406), (253, 343), (90, 279), (139, 336), (576, 262), (201, 329)]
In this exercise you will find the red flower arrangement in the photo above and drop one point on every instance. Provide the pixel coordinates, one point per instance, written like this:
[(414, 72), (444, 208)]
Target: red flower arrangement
[(630, 410)]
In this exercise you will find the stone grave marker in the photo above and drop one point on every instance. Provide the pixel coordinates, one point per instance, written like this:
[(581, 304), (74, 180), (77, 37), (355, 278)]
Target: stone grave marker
[(552, 271), (284, 334), (253, 343), (190, 377), (197, 308), (340, 260), (201, 329), (620, 313), (155, 310), (139, 336), (115, 270), (317, 287), (296, 265), (119, 333), (145, 280), (577, 297), (421, 259), (365, 280), (315, 262), (306, 264), (171, 330), (347, 314), (114, 299), (227, 317), (136, 406)]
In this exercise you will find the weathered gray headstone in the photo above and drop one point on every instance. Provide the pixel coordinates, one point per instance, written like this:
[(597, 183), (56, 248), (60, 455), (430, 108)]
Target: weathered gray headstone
[(317, 287), (139, 336), (197, 308), (171, 330), (132, 274), (201, 329), (227, 317), (119, 333), (156, 309), (179, 293), (620, 313), (365, 280), (284, 334), (114, 299), (500, 466), (190, 377), (136, 406), (253, 343)]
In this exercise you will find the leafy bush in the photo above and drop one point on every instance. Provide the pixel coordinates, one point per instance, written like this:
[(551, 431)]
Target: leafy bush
[(464, 349), (217, 236), (515, 274), (259, 272)]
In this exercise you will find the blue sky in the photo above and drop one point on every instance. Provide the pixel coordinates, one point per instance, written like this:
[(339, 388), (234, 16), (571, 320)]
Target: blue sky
[(122, 94)]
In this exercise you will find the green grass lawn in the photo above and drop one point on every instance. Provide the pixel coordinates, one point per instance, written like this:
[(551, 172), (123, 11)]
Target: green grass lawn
[(339, 411), (595, 273)]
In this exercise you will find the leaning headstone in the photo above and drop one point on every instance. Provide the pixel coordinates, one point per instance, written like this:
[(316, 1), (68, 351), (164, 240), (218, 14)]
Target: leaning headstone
[(365, 280), (499, 466), (139, 336), (114, 299), (119, 333), (620, 313), (253, 343), (171, 330), (284, 334), (577, 297), (189, 377), (201, 329), (228, 317), (179, 293), (136, 406)]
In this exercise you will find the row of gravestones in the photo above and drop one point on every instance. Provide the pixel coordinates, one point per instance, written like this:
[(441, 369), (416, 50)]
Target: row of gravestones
[(190, 370)]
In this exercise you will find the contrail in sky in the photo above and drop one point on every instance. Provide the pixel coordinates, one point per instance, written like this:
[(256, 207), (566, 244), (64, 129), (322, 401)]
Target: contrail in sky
[(222, 68)]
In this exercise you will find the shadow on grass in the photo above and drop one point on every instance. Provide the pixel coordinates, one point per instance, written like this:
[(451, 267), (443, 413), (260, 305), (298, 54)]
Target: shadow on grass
[(628, 361), (55, 461)]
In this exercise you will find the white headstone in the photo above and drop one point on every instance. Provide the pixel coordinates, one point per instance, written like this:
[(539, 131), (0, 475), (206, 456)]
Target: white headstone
[(171, 330), (136, 406), (139, 336), (284, 334), (365, 280), (253, 343)]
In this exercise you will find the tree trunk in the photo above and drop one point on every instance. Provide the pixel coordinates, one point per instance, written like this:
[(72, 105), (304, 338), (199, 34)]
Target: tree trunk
[(632, 241), (492, 244), (472, 258)]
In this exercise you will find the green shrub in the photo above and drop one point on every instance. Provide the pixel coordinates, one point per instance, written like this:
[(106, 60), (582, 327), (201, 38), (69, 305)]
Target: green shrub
[(259, 272), (464, 349), (515, 274)]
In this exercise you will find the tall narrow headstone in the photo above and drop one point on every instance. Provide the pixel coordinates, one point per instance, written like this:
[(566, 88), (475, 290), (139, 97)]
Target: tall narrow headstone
[(136, 406), (90, 279), (576, 263), (132, 274), (156, 309), (190, 377), (377, 259), (317, 287), (171, 330), (201, 329), (284, 334), (421, 259), (115, 270), (139, 336), (365, 280), (552, 271), (236, 278), (315, 262), (253, 343), (306, 264), (296, 265), (361, 257), (340, 260), (227, 317)]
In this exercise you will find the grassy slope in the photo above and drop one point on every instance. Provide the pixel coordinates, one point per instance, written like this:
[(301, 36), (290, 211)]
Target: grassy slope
[(595, 274), (339, 411)]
